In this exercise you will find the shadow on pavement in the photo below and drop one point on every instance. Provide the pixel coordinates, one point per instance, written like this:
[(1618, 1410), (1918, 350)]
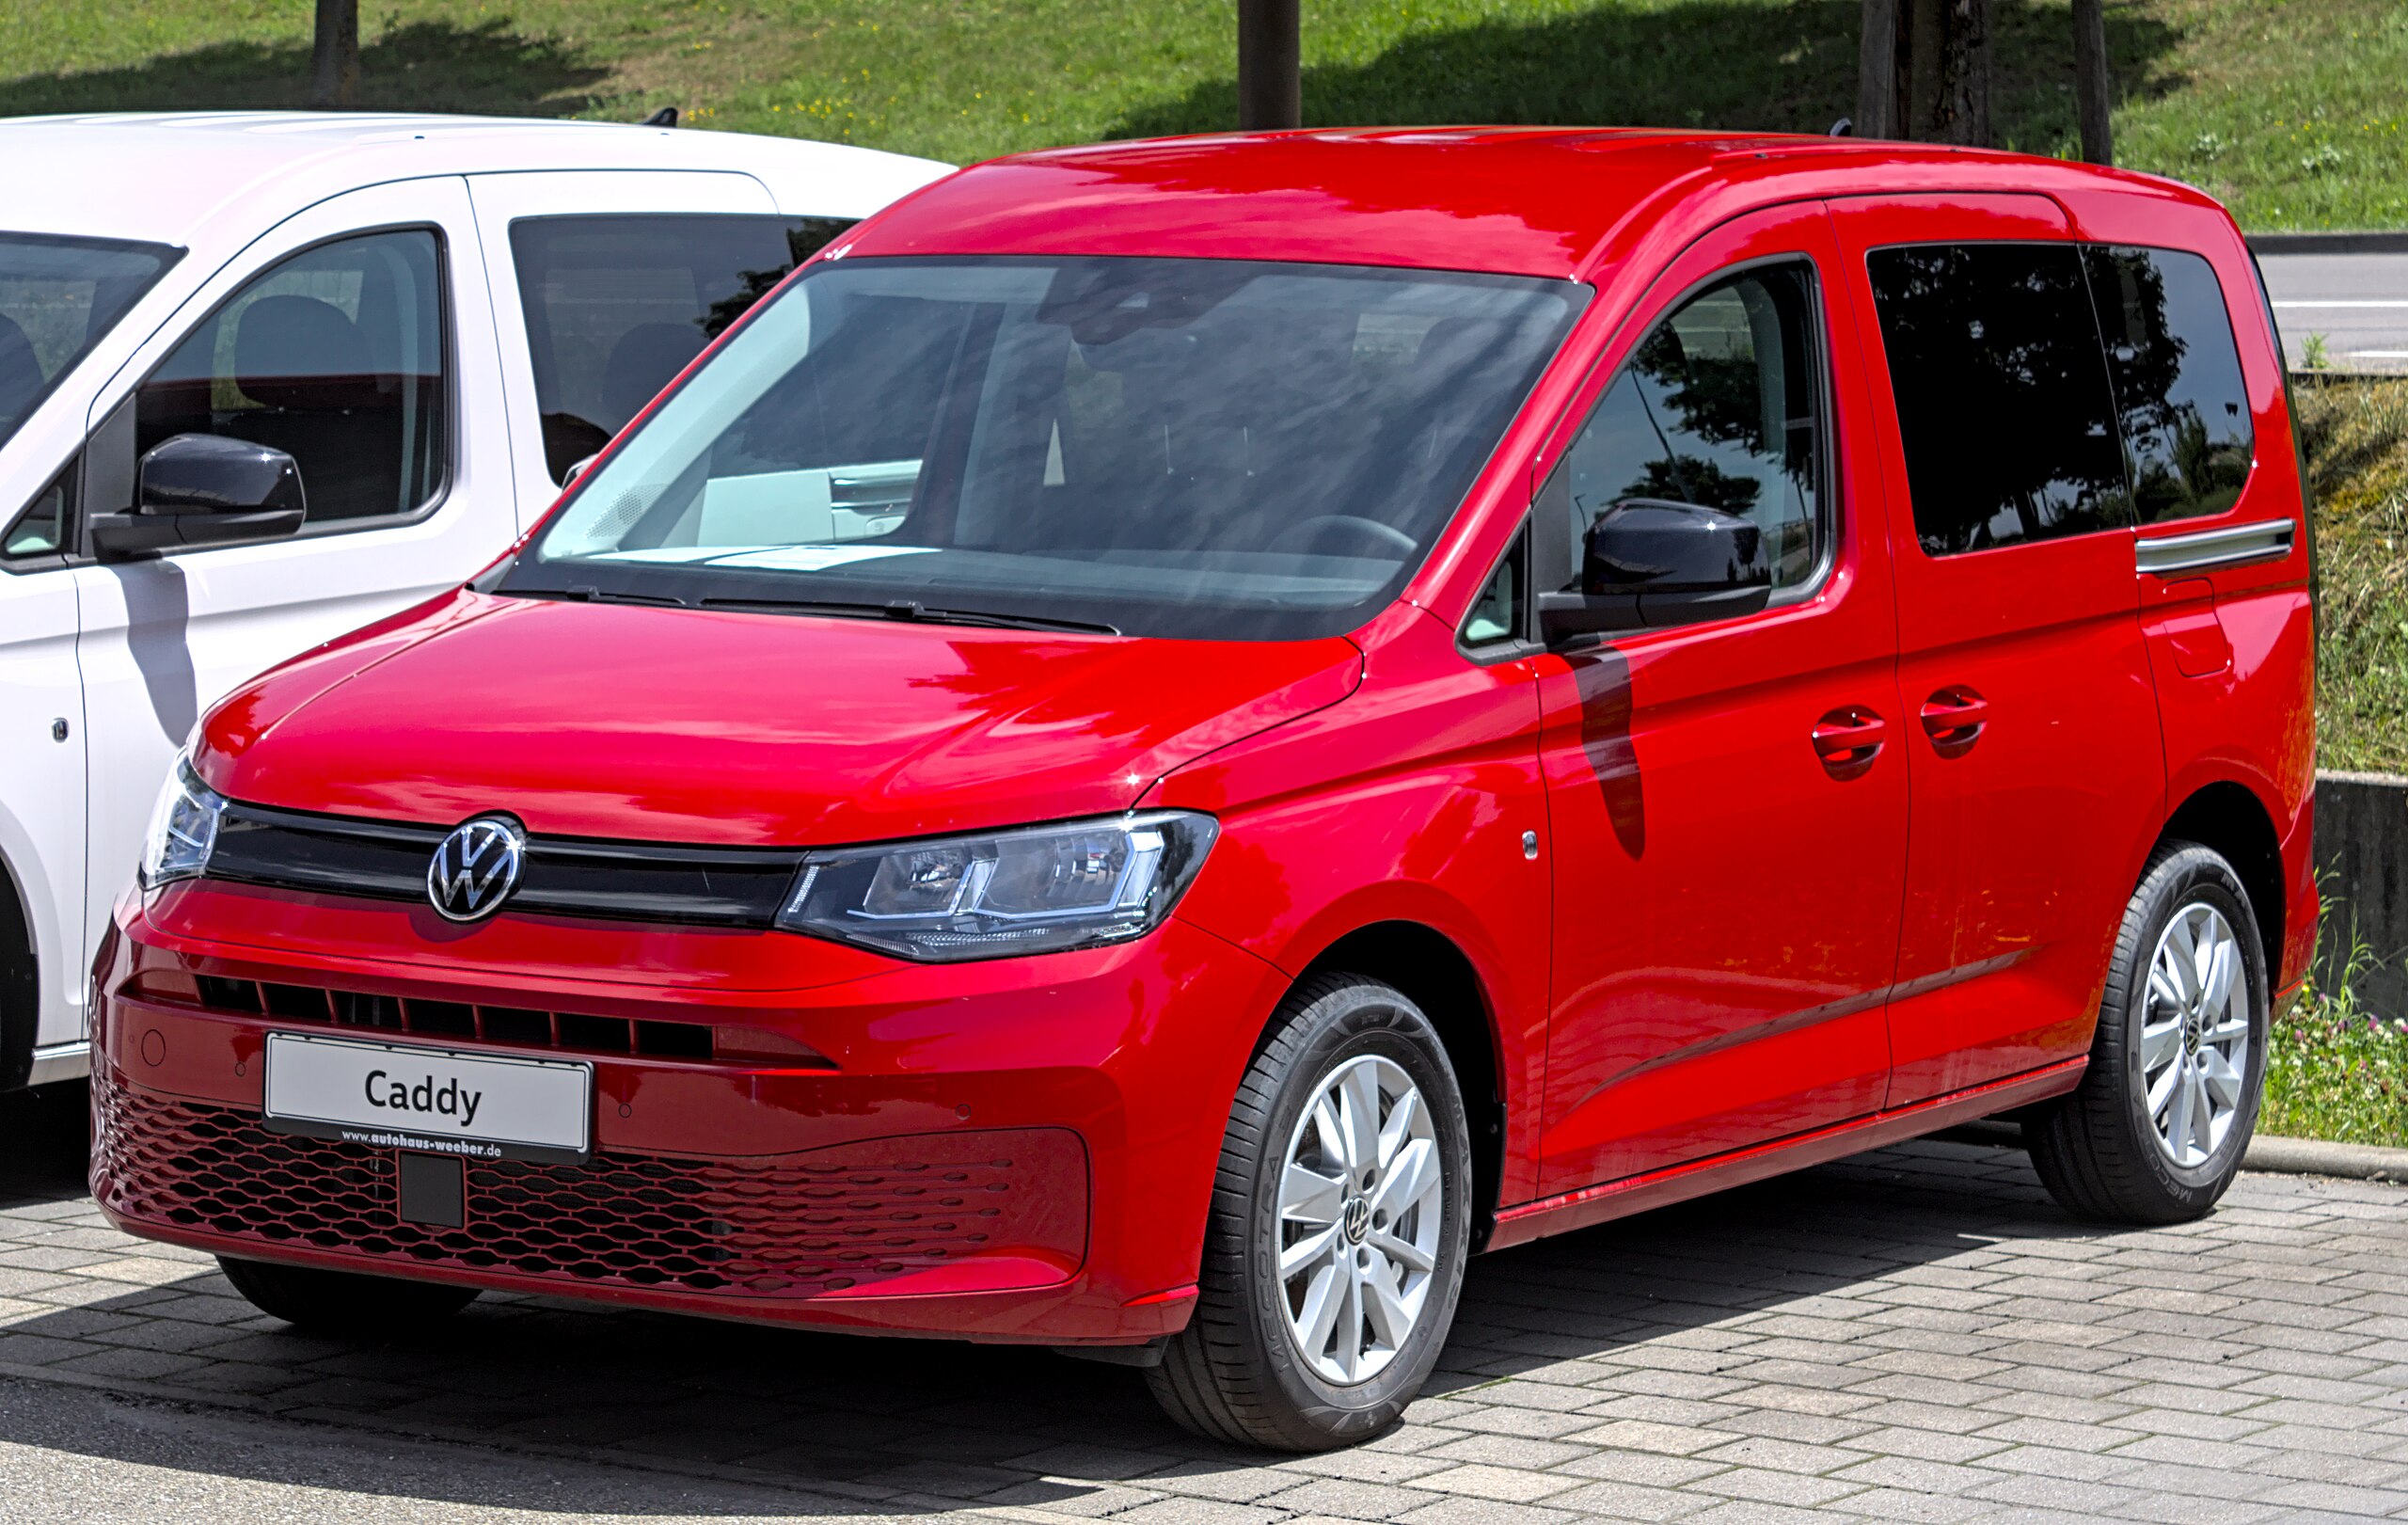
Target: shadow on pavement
[(44, 1136), (904, 1425)]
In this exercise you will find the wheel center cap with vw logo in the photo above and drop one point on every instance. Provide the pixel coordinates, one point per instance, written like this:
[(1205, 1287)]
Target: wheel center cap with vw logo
[(1357, 1221), (476, 867)]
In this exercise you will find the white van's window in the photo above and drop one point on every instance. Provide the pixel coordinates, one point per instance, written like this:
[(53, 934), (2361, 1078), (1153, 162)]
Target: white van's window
[(617, 305), (1209, 448), (57, 297), (40, 528), (335, 357)]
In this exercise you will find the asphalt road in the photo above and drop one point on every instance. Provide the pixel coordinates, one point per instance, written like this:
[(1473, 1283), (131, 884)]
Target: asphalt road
[(2358, 302)]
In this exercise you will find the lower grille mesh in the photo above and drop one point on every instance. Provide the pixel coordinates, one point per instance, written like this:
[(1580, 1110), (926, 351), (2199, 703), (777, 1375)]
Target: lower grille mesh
[(789, 1227)]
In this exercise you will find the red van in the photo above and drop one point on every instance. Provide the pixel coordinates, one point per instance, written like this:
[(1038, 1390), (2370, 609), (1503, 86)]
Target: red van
[(1173, 738)]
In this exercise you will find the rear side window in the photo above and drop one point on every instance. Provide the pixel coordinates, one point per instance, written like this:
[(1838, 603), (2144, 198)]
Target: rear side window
[(617, 306), (2177, 372), (335, 357), (2003, 405)]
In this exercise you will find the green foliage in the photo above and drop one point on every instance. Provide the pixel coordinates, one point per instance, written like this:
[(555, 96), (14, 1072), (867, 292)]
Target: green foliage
[(2336, 1070), (2357, 436), (2289, 109)]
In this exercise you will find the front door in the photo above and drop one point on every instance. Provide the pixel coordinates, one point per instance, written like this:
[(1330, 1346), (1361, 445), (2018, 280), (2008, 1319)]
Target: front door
[(354, 336), (1728, 800), (2032, 741), (41, 779)]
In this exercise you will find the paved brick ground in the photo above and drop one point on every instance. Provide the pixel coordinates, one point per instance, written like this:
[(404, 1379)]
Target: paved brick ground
[(1913, 1335)]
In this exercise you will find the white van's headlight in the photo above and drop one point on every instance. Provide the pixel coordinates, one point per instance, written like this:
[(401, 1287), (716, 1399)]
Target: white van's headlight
[(1039, 889), (184, 827)]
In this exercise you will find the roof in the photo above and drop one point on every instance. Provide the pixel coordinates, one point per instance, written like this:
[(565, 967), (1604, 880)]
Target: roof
[(167, 174), (1540, 201)]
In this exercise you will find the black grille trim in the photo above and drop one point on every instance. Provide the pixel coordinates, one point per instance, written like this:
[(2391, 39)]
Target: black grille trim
[(298, 849)]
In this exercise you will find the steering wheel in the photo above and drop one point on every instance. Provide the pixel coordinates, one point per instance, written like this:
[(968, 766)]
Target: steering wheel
[(1387, 537)]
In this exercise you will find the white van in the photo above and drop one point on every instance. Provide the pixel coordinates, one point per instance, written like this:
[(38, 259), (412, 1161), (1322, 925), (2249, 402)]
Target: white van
[(267, 377)]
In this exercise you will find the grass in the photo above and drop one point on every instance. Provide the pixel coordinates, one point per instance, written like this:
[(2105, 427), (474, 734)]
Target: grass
[(2358, 444), (2334, 1071), (2288, 108)]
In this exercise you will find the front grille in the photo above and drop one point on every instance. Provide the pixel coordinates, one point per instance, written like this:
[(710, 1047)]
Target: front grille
[(296, 849), (794, 1225), (519, 1026)]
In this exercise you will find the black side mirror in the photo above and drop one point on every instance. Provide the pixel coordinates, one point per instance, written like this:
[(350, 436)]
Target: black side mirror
[(204, 490), (1647, 563)]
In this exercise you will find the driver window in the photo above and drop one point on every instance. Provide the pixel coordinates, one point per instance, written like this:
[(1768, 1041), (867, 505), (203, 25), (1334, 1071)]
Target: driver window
[(334, 357), (1720, 407)]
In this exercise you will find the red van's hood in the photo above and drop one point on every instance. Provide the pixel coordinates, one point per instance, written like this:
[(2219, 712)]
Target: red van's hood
[(663, 724)]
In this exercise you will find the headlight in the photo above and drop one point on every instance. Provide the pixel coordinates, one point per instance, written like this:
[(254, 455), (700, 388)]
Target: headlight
[(184, 827), (1037, 890)]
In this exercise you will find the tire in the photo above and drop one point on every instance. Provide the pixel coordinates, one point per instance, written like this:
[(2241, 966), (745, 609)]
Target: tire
[(343, 1303), (1241, 1372), (2103, 1151)]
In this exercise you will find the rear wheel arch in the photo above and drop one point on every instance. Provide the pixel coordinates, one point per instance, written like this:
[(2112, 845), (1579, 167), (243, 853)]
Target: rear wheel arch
[(20, 983), (2231, 820), (1435, 973)]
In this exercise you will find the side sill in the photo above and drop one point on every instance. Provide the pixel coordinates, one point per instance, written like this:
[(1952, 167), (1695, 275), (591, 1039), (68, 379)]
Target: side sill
[(1678, 1182), (54, 1062)]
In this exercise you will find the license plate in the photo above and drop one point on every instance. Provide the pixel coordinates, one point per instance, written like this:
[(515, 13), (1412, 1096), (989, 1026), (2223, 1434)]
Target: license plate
[(397, 1096)]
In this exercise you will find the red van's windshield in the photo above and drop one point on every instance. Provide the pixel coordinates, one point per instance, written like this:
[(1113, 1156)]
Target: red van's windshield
[(1203, 448)]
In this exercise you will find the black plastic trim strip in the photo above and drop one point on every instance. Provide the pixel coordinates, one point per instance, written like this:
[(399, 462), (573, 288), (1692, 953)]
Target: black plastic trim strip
[(561, 876)]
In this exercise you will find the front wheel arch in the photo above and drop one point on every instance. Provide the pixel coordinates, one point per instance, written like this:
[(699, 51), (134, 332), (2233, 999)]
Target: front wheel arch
[(1431, 970)]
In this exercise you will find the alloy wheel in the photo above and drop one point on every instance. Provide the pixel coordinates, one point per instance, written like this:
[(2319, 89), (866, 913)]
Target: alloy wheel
[(1361, 1194), (2195, 1033)]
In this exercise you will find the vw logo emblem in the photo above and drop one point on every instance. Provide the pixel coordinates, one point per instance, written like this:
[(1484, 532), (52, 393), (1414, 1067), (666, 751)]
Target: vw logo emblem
[(476, 867)]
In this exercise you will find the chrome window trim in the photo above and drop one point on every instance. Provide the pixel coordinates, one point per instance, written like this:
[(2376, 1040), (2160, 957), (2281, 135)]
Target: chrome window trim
[(2266, 540)]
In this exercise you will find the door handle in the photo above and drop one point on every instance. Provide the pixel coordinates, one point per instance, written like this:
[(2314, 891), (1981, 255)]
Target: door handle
[(1849, 739), (1954, 718)]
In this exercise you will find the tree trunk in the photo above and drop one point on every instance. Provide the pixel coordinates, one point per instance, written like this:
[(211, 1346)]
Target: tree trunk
[(1876, 71), (1271, 91), (1923, 70), (334, 65), (1965, 74), (2091, 99)]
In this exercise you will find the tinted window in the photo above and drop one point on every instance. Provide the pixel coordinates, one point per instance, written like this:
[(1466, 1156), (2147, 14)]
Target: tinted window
[(1500, 615), (1718, 407), (2178, 379), (334, 357), (1219, 449), (617, 306), (57, 297), (2003, 401), (40, 528)]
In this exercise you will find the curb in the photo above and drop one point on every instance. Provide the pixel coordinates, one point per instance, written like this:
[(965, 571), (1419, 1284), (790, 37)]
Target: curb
[(2274, 1156), (2318, 1157), (2361, 243)]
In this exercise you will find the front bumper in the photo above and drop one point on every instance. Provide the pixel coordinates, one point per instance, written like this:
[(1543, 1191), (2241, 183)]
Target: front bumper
[(1017, 1151)]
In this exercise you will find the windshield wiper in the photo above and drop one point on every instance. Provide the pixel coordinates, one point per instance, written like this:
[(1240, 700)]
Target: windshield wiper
[(913, 612), (584, 594)]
